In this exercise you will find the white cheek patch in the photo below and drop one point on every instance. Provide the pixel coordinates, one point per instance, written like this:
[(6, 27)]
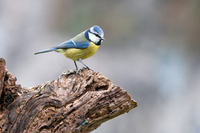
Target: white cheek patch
[(93, 38)]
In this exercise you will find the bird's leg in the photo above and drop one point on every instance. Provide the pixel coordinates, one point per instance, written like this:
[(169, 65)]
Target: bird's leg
[(75, 65), (79, 59)]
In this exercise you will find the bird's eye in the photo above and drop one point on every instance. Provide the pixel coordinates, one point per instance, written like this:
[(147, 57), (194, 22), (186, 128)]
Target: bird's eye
[(96, 35)]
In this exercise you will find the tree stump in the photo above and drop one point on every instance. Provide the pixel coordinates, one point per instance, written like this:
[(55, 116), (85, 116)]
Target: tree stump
[(75, 102)]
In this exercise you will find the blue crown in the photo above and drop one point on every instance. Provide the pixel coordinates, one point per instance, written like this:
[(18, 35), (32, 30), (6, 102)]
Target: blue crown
[(97, 29)]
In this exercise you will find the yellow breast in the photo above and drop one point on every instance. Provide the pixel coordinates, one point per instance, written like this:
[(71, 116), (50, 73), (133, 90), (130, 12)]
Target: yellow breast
[(75, 54)]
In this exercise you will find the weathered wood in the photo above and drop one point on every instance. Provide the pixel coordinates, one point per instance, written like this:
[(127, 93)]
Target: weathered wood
[(75, 102), (2, 74)]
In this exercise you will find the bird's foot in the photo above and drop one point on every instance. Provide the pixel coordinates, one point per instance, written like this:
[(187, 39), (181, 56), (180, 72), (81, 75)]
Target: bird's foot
[(77, 71), (87, 68), (66, 72)]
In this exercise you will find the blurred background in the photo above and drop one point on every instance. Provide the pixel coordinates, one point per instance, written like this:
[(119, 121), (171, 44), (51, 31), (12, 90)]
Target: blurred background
[(152, 50)]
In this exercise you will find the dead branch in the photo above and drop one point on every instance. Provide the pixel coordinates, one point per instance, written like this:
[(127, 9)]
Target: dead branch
[(75, 102)]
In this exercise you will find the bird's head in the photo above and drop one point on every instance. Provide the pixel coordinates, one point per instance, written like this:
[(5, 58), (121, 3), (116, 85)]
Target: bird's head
[(95, 34)]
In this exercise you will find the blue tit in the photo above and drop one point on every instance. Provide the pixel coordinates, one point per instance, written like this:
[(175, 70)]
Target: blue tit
[(80, 47)]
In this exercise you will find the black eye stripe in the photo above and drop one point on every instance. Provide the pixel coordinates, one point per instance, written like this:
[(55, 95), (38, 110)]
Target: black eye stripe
[(97, 35)]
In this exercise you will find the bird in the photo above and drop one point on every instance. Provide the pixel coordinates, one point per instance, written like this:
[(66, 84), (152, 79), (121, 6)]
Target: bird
[(81, 46)]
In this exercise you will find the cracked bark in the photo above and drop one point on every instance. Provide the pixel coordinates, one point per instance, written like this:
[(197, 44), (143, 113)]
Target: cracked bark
[(75, 102)]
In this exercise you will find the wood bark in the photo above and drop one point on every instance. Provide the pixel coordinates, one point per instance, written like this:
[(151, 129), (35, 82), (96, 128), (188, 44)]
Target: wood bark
[(75, 102)]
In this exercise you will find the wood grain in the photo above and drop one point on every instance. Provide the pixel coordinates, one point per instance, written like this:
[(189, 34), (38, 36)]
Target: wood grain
[(75, 102)]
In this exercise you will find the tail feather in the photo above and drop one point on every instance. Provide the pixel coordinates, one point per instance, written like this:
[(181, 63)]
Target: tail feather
[(44, 51)]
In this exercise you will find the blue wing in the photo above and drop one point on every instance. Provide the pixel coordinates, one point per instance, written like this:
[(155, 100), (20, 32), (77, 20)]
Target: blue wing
[(73, 44), (79, 42), (68, 44)]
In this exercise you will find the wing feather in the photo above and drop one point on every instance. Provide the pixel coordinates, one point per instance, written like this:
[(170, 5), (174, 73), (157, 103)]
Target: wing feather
[(73, 44)]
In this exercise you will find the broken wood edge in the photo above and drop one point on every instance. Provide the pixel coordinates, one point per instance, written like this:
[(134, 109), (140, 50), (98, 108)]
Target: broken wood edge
[(2, 74), (75, 102)]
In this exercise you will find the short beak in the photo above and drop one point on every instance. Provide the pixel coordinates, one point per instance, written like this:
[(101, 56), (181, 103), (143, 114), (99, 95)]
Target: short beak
[(102, 38)]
